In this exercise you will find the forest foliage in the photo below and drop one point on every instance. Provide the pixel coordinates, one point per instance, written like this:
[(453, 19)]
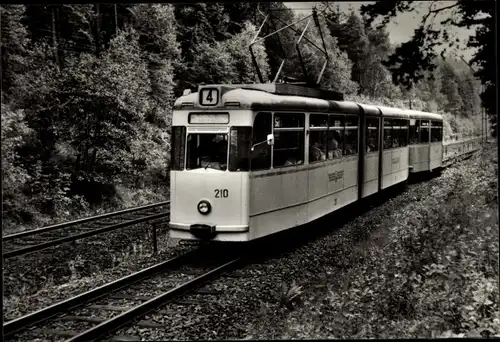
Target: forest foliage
[(87, 90)]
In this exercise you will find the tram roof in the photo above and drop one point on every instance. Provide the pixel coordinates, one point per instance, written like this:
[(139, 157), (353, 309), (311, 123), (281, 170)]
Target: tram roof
[(393, 112), (241, 97), (416, 114), (265, 101)]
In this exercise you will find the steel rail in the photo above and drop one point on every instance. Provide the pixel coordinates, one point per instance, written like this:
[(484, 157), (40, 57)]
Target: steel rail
[(96, 231), (115, 323), (44, 314), (79, 221)]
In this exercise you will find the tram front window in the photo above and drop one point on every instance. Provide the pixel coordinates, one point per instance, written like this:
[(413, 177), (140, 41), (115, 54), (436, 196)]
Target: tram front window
[(207, 150)]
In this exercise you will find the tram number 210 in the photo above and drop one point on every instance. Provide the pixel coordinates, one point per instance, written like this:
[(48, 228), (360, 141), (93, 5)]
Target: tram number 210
[(221, 193)]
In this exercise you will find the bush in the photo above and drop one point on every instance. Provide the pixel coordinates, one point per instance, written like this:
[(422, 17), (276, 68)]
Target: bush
[(15, 133)]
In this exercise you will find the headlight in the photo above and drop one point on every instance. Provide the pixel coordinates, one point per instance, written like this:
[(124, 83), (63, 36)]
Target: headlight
[(204, 207)]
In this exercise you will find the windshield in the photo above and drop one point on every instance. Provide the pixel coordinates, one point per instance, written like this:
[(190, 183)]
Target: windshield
[(207, 150)]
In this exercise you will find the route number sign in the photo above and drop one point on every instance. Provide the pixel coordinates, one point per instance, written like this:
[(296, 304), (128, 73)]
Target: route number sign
[(209, 96)]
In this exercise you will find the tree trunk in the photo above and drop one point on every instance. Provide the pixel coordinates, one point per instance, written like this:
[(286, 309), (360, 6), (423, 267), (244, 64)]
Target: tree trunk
[(98, 31), (116, 20), (60, 46), (54, 37)]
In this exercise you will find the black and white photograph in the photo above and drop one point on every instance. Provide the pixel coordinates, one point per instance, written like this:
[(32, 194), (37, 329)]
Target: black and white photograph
[(249, 171)]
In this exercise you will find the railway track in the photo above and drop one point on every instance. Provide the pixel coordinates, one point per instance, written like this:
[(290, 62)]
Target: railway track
[(38, 239), (96, 314)]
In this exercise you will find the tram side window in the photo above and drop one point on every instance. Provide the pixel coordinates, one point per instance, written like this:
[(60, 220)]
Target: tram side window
[(239, 148), (396, 132), (403, 133), (178, 147), (288, 146), (351, 135), (436, 131), (261, 155), (387, 134), (372, 134), (335, 140), (318, 120), (414, 132), (318, 137), (424, 131)]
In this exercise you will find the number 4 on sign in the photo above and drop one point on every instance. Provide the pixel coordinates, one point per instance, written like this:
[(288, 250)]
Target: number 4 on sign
[(209, 97)]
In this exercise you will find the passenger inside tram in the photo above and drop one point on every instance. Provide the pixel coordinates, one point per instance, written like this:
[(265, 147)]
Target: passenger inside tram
[(316, 152), (292, 160), (334, 146)]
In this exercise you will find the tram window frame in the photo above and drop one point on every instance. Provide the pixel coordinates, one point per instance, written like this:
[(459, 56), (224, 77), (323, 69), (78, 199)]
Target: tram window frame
[(261, 157), (436, 131), (351, 130), (240, 138), (387, 142), (424, 128), (318, 133), (414, 133), (293, 130), (213, 152), (178, 149), (336, 124), (372, 132), (403, 133), (396, 133)]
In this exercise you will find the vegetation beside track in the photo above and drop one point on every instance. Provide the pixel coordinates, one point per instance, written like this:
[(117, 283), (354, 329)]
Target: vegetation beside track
[(428, 269)]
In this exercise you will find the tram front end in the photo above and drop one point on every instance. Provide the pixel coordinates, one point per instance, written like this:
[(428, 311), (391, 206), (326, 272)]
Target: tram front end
[(209, 176)]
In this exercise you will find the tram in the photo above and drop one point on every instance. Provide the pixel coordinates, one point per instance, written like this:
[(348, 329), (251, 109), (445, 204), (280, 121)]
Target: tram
[(255, 159), (426, 141)]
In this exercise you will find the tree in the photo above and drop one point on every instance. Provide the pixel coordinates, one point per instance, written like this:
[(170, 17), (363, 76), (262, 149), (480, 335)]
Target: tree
[(14, 45), (354, 41), (366, 47), (337, 75), (449, 88), (199, 25), (429, 90), (15, 134), (280, 46), (103, 118), (469, 93), (410, 60), (155, 24), (229, 61), (237, 48)]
